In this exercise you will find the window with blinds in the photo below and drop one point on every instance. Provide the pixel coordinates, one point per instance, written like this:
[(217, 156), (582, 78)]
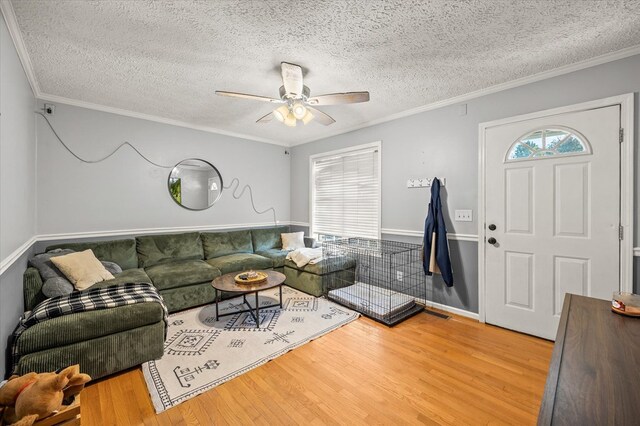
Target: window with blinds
[(345, 193)]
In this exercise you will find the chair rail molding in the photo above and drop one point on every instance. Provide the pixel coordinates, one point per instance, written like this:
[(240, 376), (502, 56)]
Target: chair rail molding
[(420, 234), (16, 254)]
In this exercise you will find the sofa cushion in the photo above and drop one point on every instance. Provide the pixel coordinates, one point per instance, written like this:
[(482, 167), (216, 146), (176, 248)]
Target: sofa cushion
[(277, 256), (180, 273), (321, 268), (218, 244), (267, 238), (180, 298), (158, 249), (240, 262), (122, 252)]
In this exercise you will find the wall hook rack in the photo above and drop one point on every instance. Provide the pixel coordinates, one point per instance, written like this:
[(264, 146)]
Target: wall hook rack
[(424, 182)]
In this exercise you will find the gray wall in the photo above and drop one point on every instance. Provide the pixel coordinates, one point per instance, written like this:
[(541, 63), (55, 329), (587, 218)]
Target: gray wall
[(17, 180), (445, 144), (17, 150), (124, 192)]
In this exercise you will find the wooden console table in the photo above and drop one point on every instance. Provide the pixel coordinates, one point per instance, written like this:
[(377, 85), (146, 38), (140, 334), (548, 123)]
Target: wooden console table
[(594, 376)]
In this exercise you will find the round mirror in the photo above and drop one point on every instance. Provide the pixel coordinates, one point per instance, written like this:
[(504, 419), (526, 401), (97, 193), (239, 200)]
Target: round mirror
[(195, 184)]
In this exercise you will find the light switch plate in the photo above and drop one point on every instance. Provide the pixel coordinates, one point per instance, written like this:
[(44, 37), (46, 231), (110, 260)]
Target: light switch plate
[(464, 216)]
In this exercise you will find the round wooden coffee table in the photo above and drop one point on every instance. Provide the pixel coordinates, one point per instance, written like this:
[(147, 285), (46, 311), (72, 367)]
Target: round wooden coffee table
[(228, 283)]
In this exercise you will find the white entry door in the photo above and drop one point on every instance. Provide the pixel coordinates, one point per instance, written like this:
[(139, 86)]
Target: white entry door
[(552, 215)]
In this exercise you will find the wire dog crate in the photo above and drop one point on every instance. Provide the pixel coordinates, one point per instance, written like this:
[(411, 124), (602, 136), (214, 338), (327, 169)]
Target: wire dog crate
[(383, 279)]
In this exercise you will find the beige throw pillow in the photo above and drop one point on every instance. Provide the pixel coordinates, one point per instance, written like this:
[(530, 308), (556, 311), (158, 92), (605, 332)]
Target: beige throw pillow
[(83, 269), (292, 241)]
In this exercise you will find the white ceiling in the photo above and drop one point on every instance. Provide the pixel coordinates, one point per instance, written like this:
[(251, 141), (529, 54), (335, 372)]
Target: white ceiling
[(166, 59)]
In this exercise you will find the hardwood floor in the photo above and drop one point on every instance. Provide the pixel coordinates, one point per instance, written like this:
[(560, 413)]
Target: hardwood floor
[(425, 370)]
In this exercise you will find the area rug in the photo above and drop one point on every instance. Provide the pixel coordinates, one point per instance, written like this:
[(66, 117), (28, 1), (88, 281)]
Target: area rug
[(201, 353)]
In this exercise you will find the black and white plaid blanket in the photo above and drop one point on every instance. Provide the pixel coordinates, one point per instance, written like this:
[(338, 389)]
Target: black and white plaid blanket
[(85, 301)]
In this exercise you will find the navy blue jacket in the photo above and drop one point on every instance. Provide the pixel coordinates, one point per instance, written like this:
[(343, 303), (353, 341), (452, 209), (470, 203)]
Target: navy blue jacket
[(435, 223)]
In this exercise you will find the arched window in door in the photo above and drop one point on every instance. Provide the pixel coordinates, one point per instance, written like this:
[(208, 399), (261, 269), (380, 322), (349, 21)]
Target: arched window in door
[(544, 143)]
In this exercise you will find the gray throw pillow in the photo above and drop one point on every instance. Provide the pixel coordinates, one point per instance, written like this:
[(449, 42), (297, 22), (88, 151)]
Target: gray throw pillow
[(55, 283), (57, 286), (112, 267), (44, 264)]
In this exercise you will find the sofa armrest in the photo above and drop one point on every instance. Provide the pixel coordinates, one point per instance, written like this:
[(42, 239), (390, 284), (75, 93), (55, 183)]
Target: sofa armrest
[(310, 242), (32, 288)]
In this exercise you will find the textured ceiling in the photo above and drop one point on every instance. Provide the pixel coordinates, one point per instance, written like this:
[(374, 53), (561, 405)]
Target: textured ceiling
[(167, 58)]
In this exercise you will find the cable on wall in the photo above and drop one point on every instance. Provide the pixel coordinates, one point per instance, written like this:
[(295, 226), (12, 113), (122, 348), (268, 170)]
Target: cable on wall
[(234, 181), (125, 143)]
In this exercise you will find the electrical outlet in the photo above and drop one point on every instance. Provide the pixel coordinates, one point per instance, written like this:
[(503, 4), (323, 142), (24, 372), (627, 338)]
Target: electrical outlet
[(464, 216), (399, 275)]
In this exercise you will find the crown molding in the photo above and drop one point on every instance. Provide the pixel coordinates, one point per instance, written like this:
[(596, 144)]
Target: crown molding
[(566, 69), (155, 118), (27, 65), (16, 36)]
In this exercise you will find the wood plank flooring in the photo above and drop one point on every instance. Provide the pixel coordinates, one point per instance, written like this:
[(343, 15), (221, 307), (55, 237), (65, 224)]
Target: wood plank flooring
[(426, 370)]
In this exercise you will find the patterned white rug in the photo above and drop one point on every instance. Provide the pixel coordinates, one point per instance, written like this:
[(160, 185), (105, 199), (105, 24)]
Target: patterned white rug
[(201, 353)]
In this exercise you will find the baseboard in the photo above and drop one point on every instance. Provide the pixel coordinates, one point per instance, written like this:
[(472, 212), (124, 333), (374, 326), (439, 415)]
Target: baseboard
[(447, 308), (17, 253)]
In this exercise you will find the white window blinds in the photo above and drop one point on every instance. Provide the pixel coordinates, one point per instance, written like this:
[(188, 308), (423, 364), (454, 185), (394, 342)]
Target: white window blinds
[(346, 194)]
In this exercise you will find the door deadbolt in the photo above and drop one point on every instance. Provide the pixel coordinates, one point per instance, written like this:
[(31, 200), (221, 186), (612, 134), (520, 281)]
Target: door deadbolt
[(492, 240), (492, 227)]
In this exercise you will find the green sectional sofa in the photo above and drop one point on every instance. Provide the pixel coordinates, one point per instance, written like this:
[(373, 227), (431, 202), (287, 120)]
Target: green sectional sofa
[(180, 266)]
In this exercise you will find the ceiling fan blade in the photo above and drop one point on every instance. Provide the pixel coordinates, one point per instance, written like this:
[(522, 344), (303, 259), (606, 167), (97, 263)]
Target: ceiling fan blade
[(250, 97), (292, 78), (265, 119), (339, 98), (321, 116)]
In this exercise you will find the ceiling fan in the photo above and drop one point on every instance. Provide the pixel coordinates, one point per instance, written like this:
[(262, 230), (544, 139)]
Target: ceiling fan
[(297, 105)]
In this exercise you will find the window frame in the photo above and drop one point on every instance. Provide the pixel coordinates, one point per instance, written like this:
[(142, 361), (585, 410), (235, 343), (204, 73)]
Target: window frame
[(583, 140), (377, 145)]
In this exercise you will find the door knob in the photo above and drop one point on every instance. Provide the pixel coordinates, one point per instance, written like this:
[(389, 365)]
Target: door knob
[(492, 227), (492, 240)]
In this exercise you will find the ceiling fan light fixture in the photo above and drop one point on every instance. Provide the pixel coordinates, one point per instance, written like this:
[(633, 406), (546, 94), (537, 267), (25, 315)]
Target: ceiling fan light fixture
[(281, 113), (299, 110), (290, 120), (307, 117)]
